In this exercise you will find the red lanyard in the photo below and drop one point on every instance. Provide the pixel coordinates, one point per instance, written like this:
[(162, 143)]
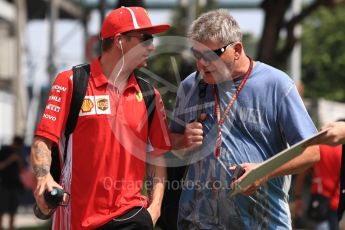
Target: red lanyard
[(221, 120)]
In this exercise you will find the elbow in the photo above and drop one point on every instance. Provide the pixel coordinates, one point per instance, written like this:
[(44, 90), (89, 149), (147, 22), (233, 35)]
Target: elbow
[(38, 141), (39, 144)]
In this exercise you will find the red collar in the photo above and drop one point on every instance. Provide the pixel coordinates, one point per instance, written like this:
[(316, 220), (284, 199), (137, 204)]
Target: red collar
[(100, 79)]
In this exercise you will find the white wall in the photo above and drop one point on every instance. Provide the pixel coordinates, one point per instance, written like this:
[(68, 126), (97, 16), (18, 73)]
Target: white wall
[(6, 117), (330, 111)]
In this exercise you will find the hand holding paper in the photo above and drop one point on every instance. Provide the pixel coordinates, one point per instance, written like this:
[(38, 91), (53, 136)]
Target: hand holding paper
[(265, 168)]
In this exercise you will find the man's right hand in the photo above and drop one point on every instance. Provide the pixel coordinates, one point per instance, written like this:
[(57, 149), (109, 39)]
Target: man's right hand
[(193, 135), (44, 183), (191, 139)]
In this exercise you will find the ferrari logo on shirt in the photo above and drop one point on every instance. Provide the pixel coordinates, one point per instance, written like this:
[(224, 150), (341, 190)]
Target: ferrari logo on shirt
[(139, 96)]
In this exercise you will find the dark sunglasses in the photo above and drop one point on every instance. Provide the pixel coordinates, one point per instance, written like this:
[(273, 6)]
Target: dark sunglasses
[(210, 55), (146, 39)]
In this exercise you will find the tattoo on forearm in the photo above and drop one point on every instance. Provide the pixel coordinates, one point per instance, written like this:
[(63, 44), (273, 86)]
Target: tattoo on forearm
[(40, 171), (150, 184), (42, 156), (38, 151)]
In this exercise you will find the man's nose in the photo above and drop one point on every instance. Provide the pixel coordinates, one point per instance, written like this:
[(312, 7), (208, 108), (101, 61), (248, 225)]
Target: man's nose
[(151, 47)]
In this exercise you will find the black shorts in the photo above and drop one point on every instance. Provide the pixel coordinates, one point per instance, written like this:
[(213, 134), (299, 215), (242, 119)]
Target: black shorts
[(9, 200), (137, 218)]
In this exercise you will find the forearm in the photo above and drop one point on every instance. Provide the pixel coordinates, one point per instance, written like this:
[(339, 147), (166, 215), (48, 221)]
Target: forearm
[(192, 138), (179, 147), (299, 184), (176, 141), (156, 176), (309, 157), (41, 156), (157, 195)]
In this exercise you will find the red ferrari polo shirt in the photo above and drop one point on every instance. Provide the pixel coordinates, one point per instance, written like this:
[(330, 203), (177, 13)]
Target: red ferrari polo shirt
[(105, 164), (326, 174)]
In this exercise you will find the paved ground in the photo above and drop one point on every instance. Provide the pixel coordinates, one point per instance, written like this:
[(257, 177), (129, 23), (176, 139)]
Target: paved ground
[(24, 218)]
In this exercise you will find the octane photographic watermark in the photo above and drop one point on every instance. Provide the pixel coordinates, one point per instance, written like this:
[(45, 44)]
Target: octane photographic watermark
[(111, 184), (168, 49)]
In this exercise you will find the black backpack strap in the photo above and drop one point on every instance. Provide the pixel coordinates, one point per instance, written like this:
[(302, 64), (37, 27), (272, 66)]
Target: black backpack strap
[(149, 97), (81, 75), (202, 86)]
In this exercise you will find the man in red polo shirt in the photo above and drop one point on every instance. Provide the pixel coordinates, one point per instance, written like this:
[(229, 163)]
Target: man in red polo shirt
[(105, 164), (325, 180)]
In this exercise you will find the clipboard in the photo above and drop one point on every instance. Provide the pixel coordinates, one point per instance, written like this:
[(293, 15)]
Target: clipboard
[(274, 162)]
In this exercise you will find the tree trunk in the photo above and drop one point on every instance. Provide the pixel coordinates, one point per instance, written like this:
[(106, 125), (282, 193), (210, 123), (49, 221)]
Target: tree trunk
[(274, 21)]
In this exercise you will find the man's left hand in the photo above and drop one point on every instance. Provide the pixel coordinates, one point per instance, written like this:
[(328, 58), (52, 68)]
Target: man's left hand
[(155, 213), (253, 187)]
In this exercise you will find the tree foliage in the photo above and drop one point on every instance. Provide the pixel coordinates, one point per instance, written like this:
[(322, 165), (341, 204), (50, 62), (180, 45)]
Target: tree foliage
[(323, 54), (323, 51), (273, 48)]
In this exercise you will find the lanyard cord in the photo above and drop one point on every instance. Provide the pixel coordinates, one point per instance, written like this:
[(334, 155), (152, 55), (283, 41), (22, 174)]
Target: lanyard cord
[(221, 119)]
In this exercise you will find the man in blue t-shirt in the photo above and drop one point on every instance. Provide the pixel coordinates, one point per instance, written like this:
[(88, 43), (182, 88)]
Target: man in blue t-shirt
[(251, 111)]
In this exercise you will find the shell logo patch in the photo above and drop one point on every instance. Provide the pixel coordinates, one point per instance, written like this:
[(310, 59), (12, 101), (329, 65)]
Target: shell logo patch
[(139, 96), (87, 105), (102, 104)]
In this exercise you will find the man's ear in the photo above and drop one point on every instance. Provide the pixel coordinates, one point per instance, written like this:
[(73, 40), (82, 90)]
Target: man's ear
[(238, 50), (118, 41)]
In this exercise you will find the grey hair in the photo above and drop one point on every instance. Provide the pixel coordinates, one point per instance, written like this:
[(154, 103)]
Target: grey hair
[(217, 26)]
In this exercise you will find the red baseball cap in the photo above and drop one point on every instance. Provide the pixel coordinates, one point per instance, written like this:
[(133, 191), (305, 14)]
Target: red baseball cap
[(126, 19)]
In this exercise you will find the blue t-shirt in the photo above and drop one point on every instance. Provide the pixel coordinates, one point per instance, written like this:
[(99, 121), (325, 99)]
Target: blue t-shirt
[(267, 116)]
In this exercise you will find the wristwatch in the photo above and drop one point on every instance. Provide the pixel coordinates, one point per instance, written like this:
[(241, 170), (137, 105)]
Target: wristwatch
[(39, 214)]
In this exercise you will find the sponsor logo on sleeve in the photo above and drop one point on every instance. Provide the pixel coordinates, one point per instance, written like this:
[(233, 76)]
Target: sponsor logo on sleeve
[(54, 98), (59, 88), (54, 108), (49, 117)]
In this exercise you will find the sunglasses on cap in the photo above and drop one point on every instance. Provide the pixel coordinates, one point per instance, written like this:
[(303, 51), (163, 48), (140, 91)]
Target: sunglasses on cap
[(210, 55), (145, 39)]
